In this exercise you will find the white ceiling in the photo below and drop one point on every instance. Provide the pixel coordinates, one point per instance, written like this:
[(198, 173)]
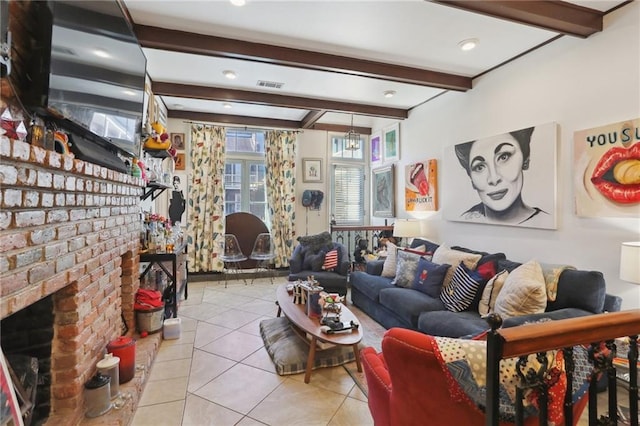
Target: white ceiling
[(413, 33)]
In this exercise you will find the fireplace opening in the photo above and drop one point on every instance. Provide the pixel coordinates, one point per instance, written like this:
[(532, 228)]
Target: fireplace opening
[(26, 340)]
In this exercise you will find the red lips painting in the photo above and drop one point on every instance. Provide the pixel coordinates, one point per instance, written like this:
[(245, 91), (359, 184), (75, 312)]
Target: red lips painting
[(607, 170)]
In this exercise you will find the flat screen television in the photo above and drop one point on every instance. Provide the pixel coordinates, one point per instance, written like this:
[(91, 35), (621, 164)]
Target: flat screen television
[(86, 72)]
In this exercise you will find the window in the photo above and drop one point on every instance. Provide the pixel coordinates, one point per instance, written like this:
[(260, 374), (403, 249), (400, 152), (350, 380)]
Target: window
[(348, 182), (245, 173)]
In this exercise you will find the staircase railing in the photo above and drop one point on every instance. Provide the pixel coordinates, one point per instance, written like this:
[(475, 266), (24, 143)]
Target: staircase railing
[(597, 332), (350, 235)]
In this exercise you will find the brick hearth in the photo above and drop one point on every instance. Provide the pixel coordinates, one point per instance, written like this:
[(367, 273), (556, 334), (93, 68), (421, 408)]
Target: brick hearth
[(69, 229)]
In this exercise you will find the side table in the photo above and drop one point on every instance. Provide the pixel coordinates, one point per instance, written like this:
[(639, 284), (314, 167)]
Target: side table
[(177, 276)]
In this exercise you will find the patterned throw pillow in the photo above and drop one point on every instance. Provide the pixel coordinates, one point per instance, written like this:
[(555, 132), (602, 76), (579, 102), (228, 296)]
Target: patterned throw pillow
[(429, 277), (330, 260), (491, 291), (389, 267), (405, 269), (459, 294), (453, 257)]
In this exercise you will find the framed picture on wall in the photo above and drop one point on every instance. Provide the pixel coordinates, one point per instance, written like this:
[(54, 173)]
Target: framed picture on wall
[(180, 161), (506, 179), (312, 170), (177, 141), (391, 143), (383, 191), (376, 147)]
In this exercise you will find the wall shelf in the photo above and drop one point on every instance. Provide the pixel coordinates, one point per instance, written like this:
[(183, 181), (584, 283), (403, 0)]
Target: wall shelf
[(153, 190)]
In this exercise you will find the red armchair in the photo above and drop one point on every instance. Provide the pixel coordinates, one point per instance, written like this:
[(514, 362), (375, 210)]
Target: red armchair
[(407, 386)]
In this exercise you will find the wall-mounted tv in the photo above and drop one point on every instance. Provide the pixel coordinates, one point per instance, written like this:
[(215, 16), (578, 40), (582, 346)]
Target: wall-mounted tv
[(86, 67)]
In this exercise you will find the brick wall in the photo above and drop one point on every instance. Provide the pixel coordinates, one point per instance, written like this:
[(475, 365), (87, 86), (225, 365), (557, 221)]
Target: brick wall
[(69, 229)]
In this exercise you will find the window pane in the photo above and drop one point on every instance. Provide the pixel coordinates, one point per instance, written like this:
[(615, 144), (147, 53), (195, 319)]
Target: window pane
[(338, 149), (245, 141), (232, 187), (348, 199), (257, 190)]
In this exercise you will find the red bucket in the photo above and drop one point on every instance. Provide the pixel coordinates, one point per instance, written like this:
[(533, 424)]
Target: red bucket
[(125, 349)]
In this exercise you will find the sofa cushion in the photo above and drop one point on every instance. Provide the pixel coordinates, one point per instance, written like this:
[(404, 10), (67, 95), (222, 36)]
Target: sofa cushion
[(490, 293), (408, 304), (459, 294), (451, 324), (369, 285), (330, 261), (453, 257), (313, 261), (507, 264), (580, 289), (316, 243), (429, 277), (389, 267), (486, 256), (524, 292), (406, 265), (430, 247)]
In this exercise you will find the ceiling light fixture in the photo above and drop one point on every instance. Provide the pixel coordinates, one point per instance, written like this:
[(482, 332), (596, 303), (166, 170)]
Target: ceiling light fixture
[(101, 53), (238, 2), (352, 138), (468, 44), (231, 75), (389, 93), (226, 106)]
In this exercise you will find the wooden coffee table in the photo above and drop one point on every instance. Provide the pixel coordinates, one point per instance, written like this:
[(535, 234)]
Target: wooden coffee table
[(297, 316)]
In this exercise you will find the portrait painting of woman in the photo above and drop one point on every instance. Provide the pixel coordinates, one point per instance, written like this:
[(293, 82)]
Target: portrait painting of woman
[(510, 179)]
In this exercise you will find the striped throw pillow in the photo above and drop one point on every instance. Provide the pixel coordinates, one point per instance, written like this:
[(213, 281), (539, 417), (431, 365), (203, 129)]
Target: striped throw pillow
[(459, 294), (330, 260)]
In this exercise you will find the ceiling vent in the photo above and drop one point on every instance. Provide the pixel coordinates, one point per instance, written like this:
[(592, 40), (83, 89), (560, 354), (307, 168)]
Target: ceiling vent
[(270, 84)]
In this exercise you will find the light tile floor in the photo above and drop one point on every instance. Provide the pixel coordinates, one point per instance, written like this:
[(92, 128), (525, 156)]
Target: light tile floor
[(219, 373)]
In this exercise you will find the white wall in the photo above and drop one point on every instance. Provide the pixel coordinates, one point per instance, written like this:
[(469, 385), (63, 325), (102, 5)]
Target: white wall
[(576, 83)]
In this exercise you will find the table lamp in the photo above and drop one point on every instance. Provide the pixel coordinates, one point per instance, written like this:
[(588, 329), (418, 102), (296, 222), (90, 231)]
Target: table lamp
[(406, 229), (630, 262)]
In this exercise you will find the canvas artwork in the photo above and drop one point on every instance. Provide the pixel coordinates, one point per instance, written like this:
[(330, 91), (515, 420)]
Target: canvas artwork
[(383, 197), (376, 147), (507, 179), (391, 143), (421, 186), (606, 170)]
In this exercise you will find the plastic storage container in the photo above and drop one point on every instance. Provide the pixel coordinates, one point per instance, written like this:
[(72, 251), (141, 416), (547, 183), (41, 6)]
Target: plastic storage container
[(150, 320), (125, 349), (172, 328)]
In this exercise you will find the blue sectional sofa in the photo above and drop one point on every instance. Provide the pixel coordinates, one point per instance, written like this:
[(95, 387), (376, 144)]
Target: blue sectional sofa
[(579, 293)]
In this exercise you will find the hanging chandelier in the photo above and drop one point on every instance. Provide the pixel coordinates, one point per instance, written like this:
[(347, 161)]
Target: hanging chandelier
[(352, 138)]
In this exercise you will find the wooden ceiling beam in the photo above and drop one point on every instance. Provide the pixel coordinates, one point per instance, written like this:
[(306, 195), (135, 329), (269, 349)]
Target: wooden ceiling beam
[(200, 44), (312, 117), (241, 120), (260, 98), (557, 16)]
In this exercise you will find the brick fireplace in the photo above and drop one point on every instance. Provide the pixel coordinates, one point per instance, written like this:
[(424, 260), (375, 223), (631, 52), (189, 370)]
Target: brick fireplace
[(69, 231)]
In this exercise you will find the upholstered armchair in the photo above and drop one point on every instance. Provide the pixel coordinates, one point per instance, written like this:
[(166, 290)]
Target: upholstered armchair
[(407, 385), (326, 260)]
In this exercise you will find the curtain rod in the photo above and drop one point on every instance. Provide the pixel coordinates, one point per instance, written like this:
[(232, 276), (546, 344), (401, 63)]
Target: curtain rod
[(241, 127)]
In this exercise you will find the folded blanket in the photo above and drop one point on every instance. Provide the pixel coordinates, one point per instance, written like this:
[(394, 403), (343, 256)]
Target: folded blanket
[(464, 364), (551, 274)]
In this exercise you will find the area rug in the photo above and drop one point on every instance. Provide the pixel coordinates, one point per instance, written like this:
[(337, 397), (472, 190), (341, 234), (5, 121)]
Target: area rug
[(289, 351)]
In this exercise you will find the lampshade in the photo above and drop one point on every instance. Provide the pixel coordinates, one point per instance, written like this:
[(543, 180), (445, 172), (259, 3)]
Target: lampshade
[(630, 262), (406, 228)]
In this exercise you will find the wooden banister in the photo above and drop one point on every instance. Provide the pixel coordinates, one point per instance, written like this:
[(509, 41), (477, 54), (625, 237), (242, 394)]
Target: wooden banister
[(545, 336)]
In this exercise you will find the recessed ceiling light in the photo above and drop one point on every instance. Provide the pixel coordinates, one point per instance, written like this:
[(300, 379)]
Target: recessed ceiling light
[(389, 93), (468, 44), (231, 75), (227, 106), (238, 2), (178, 106), (129, 92)]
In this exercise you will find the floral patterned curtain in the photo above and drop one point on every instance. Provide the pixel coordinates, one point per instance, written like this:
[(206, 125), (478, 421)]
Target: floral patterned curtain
[(281, 149), (205, 233)]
